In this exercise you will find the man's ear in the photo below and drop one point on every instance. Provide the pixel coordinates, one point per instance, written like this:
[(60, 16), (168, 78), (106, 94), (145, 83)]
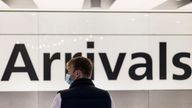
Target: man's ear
[(90, 75), (78, 73)]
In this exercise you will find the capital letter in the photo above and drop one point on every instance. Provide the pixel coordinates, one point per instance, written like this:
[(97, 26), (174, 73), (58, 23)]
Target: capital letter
[(28, 64)]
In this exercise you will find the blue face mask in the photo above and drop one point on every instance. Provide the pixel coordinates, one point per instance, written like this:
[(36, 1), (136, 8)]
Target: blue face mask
[(68, 79)]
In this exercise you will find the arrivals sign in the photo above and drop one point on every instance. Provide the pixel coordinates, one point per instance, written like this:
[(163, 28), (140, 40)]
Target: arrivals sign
[(37, 63)]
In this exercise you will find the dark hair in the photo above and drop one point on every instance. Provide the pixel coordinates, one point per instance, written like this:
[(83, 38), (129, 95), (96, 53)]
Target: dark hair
[(83, 64)]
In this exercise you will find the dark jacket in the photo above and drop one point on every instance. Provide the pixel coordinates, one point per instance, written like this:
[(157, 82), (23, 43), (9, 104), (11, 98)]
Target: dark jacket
[(83, 94)]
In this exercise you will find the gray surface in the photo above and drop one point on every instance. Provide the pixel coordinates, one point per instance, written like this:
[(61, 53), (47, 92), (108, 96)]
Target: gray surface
[(171, 99), (18, 100), (130, 99), (122, 99)]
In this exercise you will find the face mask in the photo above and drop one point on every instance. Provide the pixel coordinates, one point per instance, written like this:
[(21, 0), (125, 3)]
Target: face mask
[(68, 79)]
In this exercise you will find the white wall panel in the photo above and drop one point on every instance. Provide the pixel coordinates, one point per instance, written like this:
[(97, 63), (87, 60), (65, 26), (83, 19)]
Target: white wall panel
[(170, 23), (18, 23), (93, 23)]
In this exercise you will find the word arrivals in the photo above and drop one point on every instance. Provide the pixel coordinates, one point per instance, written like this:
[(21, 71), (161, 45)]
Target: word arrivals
[(111, 73)]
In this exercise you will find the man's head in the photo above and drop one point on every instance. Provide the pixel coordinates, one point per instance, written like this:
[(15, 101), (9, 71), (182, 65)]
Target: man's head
[(79, 67)]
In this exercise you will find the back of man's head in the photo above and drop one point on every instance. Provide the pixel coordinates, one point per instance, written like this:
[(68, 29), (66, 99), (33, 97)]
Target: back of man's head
[(83, 64)]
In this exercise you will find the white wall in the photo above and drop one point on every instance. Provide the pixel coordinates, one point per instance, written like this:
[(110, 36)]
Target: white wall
[(95, 22), (35, 24)]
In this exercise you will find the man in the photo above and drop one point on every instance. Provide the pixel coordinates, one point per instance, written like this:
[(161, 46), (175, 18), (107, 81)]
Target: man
[(82, 93)]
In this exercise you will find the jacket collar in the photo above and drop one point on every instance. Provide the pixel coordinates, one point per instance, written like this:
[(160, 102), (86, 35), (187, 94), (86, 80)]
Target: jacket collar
[(82, 81)]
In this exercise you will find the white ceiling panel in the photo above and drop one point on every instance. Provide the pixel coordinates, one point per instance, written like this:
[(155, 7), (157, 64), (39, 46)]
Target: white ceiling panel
[(3, 5), (136, 4), (59, 4), (186, 7)]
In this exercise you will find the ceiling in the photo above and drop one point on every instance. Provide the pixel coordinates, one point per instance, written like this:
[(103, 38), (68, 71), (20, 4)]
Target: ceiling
[(105, 4)]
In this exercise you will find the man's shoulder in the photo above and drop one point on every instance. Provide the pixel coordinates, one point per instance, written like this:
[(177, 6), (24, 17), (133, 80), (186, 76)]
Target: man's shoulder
[(87, 90), (100, 91), (63, 91)]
